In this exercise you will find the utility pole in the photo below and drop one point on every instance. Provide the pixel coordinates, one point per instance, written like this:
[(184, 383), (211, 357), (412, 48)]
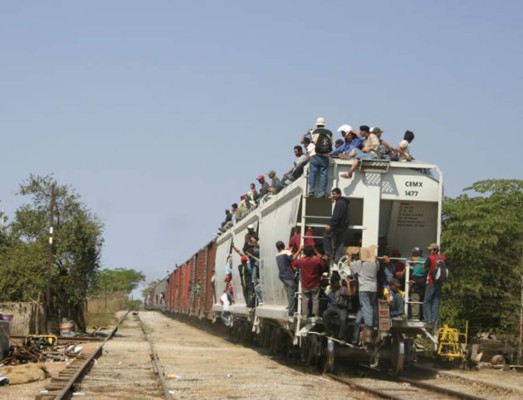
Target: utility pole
[(50, 252), (520, 344)]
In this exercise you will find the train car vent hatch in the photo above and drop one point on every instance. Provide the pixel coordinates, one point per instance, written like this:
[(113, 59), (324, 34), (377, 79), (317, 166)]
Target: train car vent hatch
[(377, 166)]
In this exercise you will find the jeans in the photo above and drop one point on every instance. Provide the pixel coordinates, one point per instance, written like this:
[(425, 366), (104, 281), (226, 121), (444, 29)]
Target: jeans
[(369, 308), (307, 295), (319, 165), (432, 302), (248, 294), (397, 307), (329, 319), (290, 290), (417, 294), (258, 291), (334, 240), (357, 327)]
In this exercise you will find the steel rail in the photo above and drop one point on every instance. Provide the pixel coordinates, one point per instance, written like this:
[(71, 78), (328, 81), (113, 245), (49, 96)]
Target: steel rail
[(156, 363), (439, 389), (426, 386), (367, 389), (67, 391)]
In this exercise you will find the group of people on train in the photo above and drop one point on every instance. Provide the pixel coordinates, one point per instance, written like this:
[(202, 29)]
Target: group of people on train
[(317, 146)]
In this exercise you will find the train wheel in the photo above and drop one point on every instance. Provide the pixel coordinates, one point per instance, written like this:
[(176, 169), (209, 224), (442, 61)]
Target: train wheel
[(304, 351), (329, 356), (311, 344), (275, 341), (398, 354)]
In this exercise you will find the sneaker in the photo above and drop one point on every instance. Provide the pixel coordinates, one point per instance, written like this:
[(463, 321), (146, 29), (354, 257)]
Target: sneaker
[(260, 303)]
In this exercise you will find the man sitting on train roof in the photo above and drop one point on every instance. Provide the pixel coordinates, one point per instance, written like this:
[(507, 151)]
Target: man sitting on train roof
[(404, 147), (368, 152), (351, 140), (245, 207), (264, 188), (228, 218), (276, 184), (385, 150), (297, 170)]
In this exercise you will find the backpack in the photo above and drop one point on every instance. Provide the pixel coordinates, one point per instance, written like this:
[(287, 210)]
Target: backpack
[(440, 273), (323, 143)]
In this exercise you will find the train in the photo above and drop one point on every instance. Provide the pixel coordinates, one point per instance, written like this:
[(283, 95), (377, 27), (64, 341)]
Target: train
[(399, 203)]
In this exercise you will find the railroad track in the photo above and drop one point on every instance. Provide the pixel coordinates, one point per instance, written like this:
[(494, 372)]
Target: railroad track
[(386, 386), (107, 371)]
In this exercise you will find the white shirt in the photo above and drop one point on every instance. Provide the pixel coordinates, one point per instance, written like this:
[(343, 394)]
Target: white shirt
[(405, 146)]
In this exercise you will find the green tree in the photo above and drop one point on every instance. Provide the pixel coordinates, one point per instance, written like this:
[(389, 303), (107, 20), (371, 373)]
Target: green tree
[(119, 280), (76, 248), (483, 240)]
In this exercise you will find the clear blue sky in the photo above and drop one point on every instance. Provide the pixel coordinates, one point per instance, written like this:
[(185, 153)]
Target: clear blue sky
[(161, 113)]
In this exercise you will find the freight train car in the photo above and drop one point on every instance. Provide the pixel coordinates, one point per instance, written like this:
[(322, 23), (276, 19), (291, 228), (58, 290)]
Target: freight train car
[(398, 203)]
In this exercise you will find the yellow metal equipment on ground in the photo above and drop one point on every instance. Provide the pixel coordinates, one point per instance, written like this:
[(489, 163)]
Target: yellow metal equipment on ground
[(449, 344)]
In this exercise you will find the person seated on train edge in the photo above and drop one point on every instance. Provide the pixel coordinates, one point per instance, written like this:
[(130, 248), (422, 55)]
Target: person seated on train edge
[(385, 150), (334, 236), (395, 299), (366, 273), (226, 299), (276, 184), (368, 152), (404, 147), (432, 299), (287, 274), (310, 268), (228, 218), (245, 207), (353, 141), (308, 146), (264, 188), (345, 141), (340, 144), (297, 169), (253, 194), (246, 281), (337, 309), (417, 282), (319, 159)]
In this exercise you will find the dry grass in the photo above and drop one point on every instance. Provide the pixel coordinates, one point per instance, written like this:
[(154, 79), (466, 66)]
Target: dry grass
[(101, 312)]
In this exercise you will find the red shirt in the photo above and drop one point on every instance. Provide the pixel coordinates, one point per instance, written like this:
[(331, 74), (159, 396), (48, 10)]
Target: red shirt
[(294, 243), (311, 269), (430, 262)]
